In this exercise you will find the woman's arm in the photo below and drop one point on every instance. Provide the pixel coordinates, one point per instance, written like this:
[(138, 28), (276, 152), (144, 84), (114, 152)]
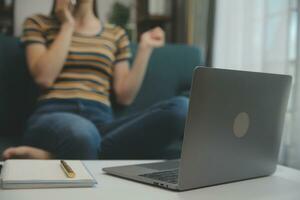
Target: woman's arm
[(127, 82), (45, 63)]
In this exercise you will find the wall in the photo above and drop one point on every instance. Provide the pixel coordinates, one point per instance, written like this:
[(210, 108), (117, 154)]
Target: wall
[(23, 9)]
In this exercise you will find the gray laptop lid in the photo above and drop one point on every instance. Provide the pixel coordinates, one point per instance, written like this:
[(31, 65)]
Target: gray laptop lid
[(234, 126)]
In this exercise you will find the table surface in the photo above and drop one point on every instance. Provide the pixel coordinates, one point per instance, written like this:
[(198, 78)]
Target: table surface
[(283, 185)]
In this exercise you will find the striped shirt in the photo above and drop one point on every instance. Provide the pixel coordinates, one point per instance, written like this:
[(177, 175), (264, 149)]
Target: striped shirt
[(88, 69)]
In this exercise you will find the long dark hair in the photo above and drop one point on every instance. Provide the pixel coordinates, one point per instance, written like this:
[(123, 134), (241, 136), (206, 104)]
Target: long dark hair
[(94, 8)]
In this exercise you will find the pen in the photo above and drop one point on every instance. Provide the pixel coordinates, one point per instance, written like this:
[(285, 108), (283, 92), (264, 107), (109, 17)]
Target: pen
[(67, 169)]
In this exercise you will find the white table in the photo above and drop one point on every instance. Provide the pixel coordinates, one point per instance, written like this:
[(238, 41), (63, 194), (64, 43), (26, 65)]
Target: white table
[(283, 185)]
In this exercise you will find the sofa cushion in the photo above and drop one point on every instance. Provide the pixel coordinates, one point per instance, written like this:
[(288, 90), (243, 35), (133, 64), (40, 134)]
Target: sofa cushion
[(17, 91)]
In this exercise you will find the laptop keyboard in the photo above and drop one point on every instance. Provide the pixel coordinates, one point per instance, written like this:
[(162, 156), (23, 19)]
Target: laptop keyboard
[(162, 166), (170, 176)]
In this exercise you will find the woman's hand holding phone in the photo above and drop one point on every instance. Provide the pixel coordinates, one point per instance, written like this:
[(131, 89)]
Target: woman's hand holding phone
[(64, 13)]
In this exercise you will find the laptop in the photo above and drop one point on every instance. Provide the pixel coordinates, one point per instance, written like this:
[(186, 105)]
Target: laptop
[(232, 132)]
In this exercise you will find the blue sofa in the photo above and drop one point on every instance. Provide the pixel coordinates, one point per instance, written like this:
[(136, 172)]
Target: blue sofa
[(169, 74)]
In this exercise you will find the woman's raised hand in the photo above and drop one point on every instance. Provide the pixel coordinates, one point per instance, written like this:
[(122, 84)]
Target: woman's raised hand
[(64, 13), (153, 38)]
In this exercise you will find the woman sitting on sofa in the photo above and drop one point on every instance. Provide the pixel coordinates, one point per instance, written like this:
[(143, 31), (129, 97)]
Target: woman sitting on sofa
[(78, 62)]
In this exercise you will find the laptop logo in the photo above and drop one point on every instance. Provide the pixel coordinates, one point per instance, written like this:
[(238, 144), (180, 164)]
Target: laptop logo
[(241, 124)]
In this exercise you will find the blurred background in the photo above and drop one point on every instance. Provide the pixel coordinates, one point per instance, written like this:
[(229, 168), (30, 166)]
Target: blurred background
[(254, 35)]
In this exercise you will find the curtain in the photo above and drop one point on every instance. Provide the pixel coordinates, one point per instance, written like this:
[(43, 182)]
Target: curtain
[(200, 18), (262, 35)]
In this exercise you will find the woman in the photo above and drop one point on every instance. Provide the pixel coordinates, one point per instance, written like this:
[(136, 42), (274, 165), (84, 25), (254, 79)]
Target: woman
[(79, 62)]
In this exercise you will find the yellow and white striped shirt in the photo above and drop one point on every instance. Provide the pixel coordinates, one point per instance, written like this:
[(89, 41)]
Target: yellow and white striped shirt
[(88, 69)]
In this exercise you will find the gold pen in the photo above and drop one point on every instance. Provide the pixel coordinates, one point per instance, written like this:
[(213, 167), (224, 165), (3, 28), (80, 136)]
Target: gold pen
[(67, 169)]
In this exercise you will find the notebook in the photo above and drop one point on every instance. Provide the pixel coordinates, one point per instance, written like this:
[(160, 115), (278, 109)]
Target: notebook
[(23, 174)]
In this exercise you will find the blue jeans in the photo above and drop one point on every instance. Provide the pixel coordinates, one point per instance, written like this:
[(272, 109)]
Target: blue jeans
[(82, 129)]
